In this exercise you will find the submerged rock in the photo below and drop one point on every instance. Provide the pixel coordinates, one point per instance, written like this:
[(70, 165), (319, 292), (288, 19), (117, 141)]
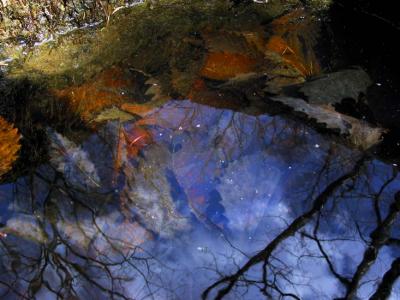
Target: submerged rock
[(145, 192), (149, 195), (359, 133), (104, 237), (334, 87)]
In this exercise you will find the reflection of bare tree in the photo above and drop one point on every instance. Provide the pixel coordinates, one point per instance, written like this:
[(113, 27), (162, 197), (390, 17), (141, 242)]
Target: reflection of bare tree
[(265, 255), (379, 237), (228, 130), (66, 231), (385, 287), (72, 254), (76, 241), (276, 276)]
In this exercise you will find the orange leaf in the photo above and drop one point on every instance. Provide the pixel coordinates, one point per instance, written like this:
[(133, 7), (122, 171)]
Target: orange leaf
[(138, 109), (110, 87), (9, 146), (224, 65), (294, 37)]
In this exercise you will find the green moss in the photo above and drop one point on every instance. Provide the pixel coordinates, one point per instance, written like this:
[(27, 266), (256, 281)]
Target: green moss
[(319, 5), (151, 39)]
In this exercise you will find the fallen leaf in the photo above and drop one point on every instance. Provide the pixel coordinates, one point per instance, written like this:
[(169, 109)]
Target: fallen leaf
[(9, 146), (278, 45), (294, 36), (72, 161), (114, 113), (137, 109), (224, 65), (107, 89)]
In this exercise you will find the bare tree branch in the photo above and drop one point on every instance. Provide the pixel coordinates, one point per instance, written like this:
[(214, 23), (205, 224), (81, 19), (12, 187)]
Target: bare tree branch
[(298, 223)]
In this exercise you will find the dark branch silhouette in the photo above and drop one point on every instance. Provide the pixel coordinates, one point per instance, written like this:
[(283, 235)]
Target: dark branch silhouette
[(265, 254)]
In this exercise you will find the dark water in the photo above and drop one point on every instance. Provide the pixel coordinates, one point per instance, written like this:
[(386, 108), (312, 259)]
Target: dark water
[(206, 189), (365, 32)]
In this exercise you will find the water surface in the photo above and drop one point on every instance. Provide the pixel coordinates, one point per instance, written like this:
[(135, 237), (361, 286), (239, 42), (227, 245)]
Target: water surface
[(150, 168), (189, 194)]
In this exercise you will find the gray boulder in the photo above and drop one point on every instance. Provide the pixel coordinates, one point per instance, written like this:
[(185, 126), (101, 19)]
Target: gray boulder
[(334, 87)]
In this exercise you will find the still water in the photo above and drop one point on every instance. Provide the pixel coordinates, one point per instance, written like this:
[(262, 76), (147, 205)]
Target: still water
[(155, 172), (163, 208)]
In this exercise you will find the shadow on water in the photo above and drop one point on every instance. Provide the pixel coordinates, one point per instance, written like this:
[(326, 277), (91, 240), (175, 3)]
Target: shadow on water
[(31, 109), (121, 192), (365, 35)]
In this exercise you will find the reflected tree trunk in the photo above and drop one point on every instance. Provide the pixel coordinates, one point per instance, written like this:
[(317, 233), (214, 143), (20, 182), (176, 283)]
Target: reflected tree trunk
[(264, 255)]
